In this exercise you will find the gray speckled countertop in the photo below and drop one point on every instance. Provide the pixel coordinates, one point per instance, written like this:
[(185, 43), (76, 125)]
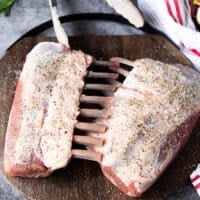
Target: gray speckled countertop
[(26, 15)]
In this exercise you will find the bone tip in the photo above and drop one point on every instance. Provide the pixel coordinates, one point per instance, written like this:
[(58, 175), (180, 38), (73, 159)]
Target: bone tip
[(87, 154)]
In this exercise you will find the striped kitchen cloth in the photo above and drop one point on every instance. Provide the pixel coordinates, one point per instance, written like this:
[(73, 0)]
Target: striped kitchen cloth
[(173, 18), (195, 178)]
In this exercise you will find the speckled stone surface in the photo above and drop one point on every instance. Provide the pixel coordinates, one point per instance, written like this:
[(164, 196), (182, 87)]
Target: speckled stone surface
[(7, 192), (26, 15)]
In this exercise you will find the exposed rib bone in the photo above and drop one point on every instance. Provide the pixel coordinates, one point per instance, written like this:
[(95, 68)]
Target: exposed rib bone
[(59, 31), (113, 65), (95, 113), (87, 154), (103, 63), (122, 61), (96, 100), (92, 74), (102, 87), (113, 82), (119, 70), (88, 140), (91, 127)]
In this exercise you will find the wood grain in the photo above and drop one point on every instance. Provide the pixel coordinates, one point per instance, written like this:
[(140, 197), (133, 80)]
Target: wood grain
[(82, 180)]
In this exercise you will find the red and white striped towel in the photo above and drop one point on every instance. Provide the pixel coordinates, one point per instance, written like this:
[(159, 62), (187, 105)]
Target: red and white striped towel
[(195, 178), (173, 18)]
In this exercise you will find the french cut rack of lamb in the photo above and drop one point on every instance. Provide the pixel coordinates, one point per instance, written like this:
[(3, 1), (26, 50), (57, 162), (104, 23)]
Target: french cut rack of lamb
[(44, 110), (46, 105), (151, 118)]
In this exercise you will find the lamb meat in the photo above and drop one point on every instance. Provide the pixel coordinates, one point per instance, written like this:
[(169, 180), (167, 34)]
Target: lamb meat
[(44, 111), (46, 105), (153, 114), (151, 118)]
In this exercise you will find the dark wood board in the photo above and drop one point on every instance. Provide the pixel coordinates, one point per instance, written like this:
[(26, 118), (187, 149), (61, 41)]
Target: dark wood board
[(82, 180)]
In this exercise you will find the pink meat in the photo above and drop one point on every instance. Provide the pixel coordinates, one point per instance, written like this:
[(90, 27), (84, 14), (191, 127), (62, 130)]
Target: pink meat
[(44, 111), (152, 117)]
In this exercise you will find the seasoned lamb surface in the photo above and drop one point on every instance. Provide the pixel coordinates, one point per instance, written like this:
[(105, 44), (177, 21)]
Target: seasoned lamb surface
[(44, 110), (152, 116)]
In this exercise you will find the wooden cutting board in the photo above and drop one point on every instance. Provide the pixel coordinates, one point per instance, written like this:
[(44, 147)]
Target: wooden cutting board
[(83, 180)]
